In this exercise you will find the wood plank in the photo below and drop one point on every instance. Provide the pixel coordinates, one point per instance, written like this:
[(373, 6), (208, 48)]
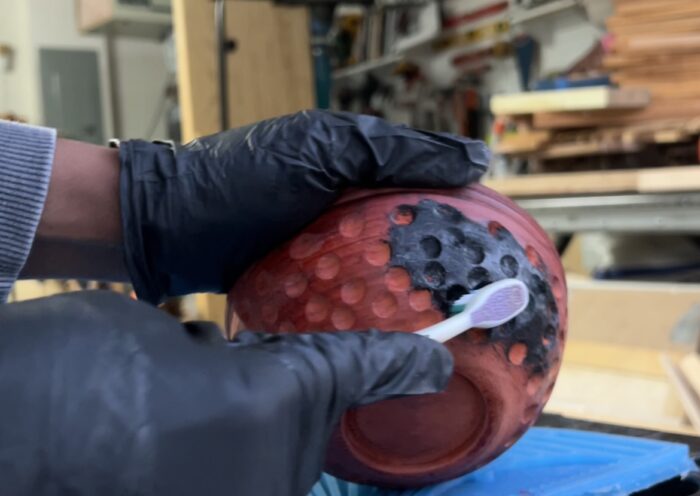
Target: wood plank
[(569, 100), (621, 358), (565, 183), (682, 43), (662, 91), (630, 314), (652, 180), (270, 72), (522, 142), (658, 27), (670, 109), (669, 179), (640, 8), (668, 67), (626, 60), (586, 148), (690, 365), (681, 10), (196, 67), (609, 396), (601, 141), (689, 399)]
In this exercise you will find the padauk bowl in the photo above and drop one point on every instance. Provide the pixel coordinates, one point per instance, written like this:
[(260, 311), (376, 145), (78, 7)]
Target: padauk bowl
[(395, 260)]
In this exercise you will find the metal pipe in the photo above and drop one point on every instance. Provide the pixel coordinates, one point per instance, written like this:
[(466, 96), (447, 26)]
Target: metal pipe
[(222, 52)]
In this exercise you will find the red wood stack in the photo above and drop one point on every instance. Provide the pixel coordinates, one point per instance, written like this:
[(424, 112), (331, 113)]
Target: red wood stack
[(656, 45)]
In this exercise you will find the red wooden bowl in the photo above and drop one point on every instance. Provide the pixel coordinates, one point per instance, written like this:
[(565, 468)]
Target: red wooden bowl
[(395, 260)]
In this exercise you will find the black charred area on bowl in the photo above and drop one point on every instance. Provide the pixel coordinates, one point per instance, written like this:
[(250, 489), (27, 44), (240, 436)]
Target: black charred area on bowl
[(449, 255)]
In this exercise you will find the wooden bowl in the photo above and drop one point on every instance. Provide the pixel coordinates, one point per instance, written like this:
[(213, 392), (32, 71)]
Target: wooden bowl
[(395, 260)]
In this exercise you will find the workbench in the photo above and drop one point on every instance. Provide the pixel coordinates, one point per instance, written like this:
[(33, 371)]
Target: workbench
[(559, 421)]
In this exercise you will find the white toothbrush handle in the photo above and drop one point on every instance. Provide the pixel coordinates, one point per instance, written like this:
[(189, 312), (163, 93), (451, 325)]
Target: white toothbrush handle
[(447, 329)]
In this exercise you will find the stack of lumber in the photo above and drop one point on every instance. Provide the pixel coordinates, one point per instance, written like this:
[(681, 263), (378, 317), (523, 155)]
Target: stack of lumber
[(560, 126), (649, 181), (656, 45), (652, 109)]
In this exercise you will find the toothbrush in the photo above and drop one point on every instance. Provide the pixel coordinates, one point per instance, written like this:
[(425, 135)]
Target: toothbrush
[(485, 308)]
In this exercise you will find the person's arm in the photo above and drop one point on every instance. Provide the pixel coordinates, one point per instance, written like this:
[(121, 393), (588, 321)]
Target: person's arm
[(175, 222), (26, 153), (79, 235)]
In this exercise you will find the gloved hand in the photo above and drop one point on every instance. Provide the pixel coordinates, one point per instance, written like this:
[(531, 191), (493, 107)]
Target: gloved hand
[(106, 396), (195, 219)]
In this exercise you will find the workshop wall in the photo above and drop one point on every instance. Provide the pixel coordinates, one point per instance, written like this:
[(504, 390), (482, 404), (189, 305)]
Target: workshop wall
[(564, 37), (142, 71), (15, 96)]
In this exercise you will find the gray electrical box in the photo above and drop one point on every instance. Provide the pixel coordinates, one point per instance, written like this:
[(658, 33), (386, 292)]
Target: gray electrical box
[(70, 90)]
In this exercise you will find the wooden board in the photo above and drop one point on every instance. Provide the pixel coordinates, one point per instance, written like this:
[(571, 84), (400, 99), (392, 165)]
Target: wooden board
[(650, 61), (609, 396), (568, 100), (629, 359), (669, 180), (270, 72), (661, 180), (686, 394), (545, 144), (524, 142), (678, 25), (672, 109), (632, 11), (586, 148), (690, 365), (680, 43), (565, 184), (636, 314), (662, 88)]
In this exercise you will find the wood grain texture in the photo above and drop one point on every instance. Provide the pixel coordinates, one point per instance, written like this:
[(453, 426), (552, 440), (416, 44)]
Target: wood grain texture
[(670, 109), (690, 365), (620, 398), (270, 72), (635, 314), (628, 359), (686, 394), (522, 142), (565, 184), (661, 180)]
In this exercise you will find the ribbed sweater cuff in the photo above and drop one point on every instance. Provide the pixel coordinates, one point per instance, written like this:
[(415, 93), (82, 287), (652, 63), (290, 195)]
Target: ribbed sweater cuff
[(26, 155)]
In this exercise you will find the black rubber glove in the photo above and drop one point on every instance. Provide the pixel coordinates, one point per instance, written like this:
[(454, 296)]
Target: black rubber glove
[(106, 396), (195, 219)]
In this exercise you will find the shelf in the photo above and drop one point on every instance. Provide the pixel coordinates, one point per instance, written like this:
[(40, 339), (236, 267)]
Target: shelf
[(639, 213), (520, 15), (569, 100), (362, 68)]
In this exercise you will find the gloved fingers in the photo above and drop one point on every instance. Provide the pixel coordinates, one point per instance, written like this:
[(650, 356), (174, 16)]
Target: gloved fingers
[(340, 149), (357, 368), (249, 338), (204, 332), (369, 151)]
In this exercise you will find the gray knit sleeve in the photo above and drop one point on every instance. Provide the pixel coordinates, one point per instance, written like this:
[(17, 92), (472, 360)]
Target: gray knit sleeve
[(26, 154)]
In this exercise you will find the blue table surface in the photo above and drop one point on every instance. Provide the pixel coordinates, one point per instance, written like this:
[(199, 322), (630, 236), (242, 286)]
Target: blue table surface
[(554, 462)]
